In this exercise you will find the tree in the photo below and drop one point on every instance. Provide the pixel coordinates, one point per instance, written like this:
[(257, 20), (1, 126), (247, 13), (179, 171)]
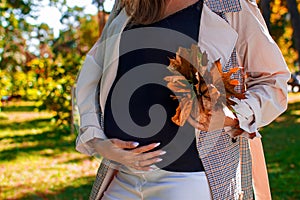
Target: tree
[(102, 14), (47, 76), (13, 28), (266, 11), (295, 18)]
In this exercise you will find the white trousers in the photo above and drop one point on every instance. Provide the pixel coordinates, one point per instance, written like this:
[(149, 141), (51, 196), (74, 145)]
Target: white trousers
[(130, 184)]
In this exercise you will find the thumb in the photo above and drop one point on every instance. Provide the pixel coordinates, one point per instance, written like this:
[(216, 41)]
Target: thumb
[(124, 144), (196, 124)]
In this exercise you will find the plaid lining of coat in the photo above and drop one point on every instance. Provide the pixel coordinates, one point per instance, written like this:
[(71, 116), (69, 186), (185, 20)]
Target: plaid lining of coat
[(228, 165)]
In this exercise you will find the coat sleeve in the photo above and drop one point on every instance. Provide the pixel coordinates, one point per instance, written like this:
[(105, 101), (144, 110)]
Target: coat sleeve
[(87, 92), (264, 65)]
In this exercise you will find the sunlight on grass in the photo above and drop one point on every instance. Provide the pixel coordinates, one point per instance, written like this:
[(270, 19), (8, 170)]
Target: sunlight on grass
[(48, 175), (274, 168), (294, 97), (9, 145), (281, 141), (295, 112), (3, 116), (8, 132), (38, 161), (26, 116)]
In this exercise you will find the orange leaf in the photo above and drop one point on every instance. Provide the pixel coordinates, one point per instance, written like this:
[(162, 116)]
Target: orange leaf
[(234, 82), (177, 84), (234, 70), (219, 66), (183, 111)]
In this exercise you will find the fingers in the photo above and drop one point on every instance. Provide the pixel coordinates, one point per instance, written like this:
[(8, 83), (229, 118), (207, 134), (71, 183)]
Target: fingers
[(147, 163), (252, 135), (124, 144), (146, 148), (143, 161), (231, 122), (237, 131), (137, 158), (196, 124), (146, 160), (147, 156)]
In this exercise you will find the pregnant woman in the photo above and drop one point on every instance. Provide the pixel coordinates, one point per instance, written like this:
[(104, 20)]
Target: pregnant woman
[(126, 108)]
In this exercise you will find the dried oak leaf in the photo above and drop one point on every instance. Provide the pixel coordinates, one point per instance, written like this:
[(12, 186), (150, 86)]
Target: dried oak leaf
[(199, 117), (182, 64), (178, 84), (229, 83), (183, 111), (190, 68)]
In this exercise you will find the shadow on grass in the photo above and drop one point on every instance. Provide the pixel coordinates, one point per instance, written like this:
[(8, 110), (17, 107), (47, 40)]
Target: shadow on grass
[(76, 160), (17, 108), (30, 124), (79, 189), (281, 143), (47, 140), (58, 140), (50, 143)]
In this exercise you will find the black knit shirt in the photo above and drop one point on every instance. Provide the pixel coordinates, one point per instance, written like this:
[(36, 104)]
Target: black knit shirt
[(182, 155)]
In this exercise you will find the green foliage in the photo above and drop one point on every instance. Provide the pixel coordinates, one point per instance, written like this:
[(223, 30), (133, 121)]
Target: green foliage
[(48, 74), (52, 85), (282, 31)]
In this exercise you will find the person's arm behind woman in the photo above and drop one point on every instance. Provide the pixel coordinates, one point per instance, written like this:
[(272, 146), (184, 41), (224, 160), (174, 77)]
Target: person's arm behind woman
[(266, 70)]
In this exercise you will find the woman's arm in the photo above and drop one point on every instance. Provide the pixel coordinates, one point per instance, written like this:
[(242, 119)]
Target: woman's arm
[(87, 92), (267, 72), (89, 109), (91, 139)]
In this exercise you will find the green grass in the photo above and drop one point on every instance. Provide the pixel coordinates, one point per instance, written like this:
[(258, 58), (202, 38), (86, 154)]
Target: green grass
[(38, 161), (281, 141), (3, 116)]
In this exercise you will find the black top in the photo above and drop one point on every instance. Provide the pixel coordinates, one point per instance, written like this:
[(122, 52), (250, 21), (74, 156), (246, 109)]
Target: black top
[(155, 47)]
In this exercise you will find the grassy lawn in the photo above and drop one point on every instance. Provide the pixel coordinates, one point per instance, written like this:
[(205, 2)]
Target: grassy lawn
[(38, 160), (281, 141)]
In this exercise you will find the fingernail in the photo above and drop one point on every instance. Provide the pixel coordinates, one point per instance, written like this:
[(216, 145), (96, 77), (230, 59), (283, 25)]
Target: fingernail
[(157, 144), (135, 144), (227, 128), (159, 160), (162, 153)]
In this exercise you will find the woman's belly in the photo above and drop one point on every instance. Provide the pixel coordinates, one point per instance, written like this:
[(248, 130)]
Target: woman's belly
[(136, 120)]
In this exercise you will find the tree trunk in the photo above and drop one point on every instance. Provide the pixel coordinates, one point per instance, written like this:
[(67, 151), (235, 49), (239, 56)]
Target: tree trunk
[(266, 11), (295, 17), (101, 20), (101, 14)]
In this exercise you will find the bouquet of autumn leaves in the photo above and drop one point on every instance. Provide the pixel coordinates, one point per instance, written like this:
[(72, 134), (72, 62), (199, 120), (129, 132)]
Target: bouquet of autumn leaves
[(200, 89)]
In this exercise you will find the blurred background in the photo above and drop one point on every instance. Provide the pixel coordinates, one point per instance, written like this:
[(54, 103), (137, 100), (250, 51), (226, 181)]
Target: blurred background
[(42, 47)]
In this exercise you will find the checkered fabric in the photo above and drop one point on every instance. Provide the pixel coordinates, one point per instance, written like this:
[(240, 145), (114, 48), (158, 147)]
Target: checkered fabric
[(220, 156), (227, 164), (224, 5), (246, 169), (245, 155), (101, 173)]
